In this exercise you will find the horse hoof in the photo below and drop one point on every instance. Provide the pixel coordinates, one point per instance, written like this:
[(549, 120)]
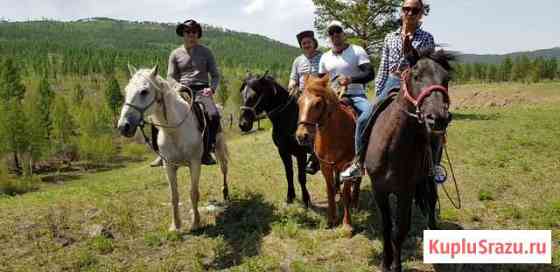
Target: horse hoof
[(174, 228), (384, 268), (347, 230), (195, 227)]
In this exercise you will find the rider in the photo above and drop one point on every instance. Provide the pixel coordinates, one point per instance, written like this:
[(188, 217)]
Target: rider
[(189, 68), (349, 64), (401, 45), (306, 63), (400, 48)]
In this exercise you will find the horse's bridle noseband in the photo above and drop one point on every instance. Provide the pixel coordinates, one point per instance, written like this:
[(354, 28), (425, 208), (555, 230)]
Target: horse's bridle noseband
[(424, 93), (317, 124), (253, 109)]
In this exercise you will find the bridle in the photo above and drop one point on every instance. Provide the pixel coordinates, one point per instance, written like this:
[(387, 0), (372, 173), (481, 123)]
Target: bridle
[(253, 109), (424, 93), (157, 100), (143, 122), (325, 114)]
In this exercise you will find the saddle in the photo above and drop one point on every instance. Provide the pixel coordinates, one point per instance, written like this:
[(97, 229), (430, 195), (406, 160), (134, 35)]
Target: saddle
[(378, 108)]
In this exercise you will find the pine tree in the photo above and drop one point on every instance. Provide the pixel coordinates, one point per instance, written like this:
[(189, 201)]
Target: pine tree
[(367, 21), (63, 124), (46, 97), (114, 98), (78, 94), (223, 92), (12, 120), (10, 82), (505, 69)]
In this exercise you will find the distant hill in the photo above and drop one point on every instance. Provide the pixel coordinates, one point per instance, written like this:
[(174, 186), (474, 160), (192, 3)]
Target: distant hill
[(493, 59), (145, 42)]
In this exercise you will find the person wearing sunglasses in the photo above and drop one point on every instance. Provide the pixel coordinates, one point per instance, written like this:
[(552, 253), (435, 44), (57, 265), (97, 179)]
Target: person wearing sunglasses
[(189, 68), (306, 63), (402, 45), (350, 66), (400, 51)]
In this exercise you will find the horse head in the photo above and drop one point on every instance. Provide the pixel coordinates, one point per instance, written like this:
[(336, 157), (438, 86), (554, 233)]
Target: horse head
[(141, 93), (425, 87), (315, 104), (255, 94)]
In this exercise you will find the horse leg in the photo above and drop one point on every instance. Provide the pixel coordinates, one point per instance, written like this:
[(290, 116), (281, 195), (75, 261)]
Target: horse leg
[(328, 174), (382, 200), (301, 160), (432, 202), (195, 176), (222, 156), (346, 200), (174, 193), (356, 193), (403, 223), (287, 161)]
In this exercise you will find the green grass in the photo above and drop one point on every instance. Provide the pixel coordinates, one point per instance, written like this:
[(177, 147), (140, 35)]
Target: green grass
[(505, 158)]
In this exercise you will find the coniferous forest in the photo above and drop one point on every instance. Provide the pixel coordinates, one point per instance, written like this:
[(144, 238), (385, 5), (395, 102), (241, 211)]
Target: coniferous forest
[(61, 82)]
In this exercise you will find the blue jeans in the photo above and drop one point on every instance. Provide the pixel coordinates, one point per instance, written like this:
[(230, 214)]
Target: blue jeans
[(363, 108), (392, 82)]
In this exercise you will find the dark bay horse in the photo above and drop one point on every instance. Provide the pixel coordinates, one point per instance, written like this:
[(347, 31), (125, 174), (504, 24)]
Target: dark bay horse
[(398, 157), (264, 94), (325, 121)]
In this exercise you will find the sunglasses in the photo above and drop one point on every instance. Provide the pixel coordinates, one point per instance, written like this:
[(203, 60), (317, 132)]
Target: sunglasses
[(411, 10), (335, 30)]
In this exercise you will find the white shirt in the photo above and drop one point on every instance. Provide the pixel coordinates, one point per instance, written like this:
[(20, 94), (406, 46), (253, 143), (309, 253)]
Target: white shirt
[(345, 64)]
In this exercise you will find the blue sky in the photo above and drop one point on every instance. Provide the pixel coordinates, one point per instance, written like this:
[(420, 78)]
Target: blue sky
[(472, 26)]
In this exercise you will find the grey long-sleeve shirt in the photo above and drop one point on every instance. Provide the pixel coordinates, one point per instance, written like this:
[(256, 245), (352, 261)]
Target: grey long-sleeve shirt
[(193, 68)]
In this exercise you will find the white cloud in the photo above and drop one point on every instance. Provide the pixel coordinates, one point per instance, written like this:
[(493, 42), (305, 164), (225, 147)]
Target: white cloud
[(253, 6)]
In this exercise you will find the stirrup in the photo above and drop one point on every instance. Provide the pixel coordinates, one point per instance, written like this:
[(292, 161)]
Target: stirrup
[(440, 174), (352, 173)]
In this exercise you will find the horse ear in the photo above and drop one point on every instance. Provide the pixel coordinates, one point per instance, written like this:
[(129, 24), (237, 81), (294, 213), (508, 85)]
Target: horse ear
[(154, 71), (131, 69), (264, 75)]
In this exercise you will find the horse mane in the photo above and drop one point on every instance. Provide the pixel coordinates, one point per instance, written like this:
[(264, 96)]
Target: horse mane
[(315, 86), (441, 57), (249, 80)]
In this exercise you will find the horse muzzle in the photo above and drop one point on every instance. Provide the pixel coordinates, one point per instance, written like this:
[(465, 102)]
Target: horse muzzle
[(127, 129), (438, 124), (304, 136), (245, 125)]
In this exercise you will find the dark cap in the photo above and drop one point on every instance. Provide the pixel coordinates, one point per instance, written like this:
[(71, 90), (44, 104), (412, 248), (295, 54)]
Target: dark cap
[(306, 34), (188, 24)]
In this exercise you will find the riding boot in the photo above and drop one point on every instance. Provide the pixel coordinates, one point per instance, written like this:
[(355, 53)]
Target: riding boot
[(313, 165), (354, 171), (209, 138)]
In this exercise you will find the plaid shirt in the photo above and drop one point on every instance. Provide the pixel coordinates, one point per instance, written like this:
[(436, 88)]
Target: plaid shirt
[(392, 58)]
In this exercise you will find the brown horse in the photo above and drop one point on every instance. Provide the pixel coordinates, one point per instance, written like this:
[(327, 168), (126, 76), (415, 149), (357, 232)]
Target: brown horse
[(398, 156), (328, 123)]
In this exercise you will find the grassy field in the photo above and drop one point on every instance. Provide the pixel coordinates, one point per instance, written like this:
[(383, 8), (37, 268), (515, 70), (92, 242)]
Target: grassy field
[(504, 143)]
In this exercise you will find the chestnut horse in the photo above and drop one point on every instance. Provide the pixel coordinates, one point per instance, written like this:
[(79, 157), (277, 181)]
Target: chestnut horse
[(398, 156), (328, 123)]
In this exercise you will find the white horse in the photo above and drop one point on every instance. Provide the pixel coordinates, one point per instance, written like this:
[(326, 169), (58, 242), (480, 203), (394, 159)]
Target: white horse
[(150, 97)]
